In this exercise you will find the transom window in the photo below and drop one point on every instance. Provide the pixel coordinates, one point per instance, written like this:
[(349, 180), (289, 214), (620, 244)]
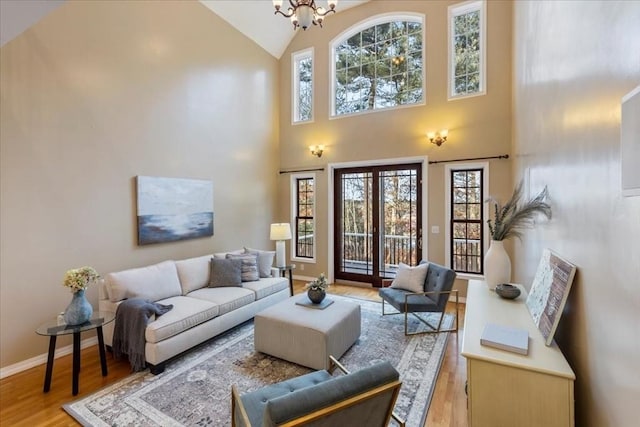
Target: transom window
[(303, 192), (466, 49), (302, 86), (378, 64)]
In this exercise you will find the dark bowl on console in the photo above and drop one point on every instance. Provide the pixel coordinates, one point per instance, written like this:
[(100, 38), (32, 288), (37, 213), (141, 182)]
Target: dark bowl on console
[(508, 291)]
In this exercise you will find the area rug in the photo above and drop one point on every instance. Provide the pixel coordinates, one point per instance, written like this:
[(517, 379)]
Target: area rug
[(195, 389)]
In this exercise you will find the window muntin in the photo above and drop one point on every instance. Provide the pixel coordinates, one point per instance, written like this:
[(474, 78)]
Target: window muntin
[(467, 49), (302, 86), (304, 211), (378, 65), (466, 220)]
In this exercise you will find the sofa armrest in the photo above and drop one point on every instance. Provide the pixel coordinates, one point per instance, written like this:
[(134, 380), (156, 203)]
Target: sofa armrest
[(102, 289), (275, 272)]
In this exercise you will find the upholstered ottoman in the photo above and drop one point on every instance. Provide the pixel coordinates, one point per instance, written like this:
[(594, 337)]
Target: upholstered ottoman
[(304, 335)]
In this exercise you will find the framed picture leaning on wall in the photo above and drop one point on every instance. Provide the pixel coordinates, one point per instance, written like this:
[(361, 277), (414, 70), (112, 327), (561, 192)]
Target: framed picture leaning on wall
[(549, 292)]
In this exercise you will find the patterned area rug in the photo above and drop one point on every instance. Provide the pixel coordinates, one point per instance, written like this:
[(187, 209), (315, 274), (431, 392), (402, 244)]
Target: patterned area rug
[(195, 389)]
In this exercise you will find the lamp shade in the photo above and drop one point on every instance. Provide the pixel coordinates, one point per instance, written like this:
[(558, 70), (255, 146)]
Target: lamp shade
[(280, 231)]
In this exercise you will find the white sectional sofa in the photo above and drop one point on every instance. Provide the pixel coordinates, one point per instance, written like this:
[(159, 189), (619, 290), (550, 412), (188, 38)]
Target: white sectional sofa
[(199, 312)]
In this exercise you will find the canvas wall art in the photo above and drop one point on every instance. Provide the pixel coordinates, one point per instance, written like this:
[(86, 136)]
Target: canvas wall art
[(171, 209), (549, 292)]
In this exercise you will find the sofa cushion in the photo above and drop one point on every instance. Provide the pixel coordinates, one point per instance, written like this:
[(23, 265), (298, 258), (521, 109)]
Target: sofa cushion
[(265, 260), (268, 286), (225, 272), (154, 282), (410, 278), (194, 273), (396, 297), (186, 313), (227, 298), (248, 267)]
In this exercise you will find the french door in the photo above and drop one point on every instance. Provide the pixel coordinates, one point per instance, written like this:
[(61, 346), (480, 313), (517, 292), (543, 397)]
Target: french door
[(377, 221)]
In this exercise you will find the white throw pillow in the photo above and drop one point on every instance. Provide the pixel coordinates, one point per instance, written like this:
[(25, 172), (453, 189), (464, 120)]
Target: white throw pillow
[(410, 278), (154, 282), (223, 255), (194, 273), (265, 260)]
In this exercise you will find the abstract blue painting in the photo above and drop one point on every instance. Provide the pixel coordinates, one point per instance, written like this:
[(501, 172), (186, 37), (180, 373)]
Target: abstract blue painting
[(172, 209)]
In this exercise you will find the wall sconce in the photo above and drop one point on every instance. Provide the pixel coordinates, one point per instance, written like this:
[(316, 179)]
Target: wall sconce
[(316, 150), (438, 138)]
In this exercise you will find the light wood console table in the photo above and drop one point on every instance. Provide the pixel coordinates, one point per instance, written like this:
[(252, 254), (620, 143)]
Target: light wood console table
[(509, 389)]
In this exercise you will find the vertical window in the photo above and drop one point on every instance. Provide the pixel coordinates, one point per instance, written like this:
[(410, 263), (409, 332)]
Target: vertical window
[(467, 49), (303, 192), (302, 86), (466, 213), (378, 64)]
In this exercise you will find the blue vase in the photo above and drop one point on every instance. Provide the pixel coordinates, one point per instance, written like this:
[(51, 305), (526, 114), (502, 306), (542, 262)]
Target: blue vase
[(79, 310)]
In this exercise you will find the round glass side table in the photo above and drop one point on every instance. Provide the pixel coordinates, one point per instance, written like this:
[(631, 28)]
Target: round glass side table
[(53, 329)]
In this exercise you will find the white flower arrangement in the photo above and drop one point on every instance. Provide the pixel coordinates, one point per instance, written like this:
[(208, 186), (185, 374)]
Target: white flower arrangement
[(79, 279), (319, 284)]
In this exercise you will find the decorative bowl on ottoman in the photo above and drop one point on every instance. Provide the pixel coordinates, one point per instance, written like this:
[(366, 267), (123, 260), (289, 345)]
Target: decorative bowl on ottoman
[(507, 291)]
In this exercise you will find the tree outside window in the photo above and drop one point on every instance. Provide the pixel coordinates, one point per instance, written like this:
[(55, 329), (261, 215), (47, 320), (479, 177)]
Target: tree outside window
[(379, 67), (305, 201), (303, 86), (467, 220), (466, 34)]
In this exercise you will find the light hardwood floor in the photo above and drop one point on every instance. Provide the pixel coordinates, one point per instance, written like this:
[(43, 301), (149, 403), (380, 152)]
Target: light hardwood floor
[(22, 402)]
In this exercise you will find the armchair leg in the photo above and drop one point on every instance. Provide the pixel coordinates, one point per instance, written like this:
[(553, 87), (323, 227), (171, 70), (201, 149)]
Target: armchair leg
[(434, 329), (388, 314)]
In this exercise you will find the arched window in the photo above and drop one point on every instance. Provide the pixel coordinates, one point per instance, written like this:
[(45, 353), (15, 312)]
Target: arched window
[(378, 64)]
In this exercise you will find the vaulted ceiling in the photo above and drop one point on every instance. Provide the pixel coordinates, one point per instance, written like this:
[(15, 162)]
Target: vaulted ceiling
[(254, 18)]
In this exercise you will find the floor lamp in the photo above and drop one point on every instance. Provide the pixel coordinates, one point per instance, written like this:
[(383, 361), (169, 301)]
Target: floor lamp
[(280, 232)]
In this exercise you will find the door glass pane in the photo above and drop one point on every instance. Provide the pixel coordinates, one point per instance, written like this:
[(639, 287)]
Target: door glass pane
[(357, 223), (398, 218)]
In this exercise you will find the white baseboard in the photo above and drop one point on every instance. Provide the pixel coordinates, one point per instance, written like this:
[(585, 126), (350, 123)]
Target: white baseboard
[(7, 371), (304, 278)]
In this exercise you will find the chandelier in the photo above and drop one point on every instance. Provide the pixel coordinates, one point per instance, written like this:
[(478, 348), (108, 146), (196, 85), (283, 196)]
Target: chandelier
[(303, 13)]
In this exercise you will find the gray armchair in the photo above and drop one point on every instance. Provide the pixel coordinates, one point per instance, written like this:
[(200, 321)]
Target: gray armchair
[(437, 289), (362, 398)]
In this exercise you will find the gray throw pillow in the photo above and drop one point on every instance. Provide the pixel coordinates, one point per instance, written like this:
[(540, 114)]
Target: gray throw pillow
[(265, 260), (249, 266), (225, 272)]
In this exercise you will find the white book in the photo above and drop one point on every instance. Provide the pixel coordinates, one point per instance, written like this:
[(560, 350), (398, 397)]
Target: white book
[(505, 338)]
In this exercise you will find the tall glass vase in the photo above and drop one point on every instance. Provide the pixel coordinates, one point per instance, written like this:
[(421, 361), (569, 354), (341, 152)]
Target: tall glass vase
[(497, 265), (79, 310)]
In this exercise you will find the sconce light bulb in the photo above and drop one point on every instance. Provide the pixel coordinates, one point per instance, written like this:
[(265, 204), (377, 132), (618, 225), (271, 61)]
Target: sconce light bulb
[(444, 133)]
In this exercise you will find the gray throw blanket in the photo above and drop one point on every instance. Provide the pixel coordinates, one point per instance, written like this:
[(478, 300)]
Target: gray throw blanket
[(132, 317)]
